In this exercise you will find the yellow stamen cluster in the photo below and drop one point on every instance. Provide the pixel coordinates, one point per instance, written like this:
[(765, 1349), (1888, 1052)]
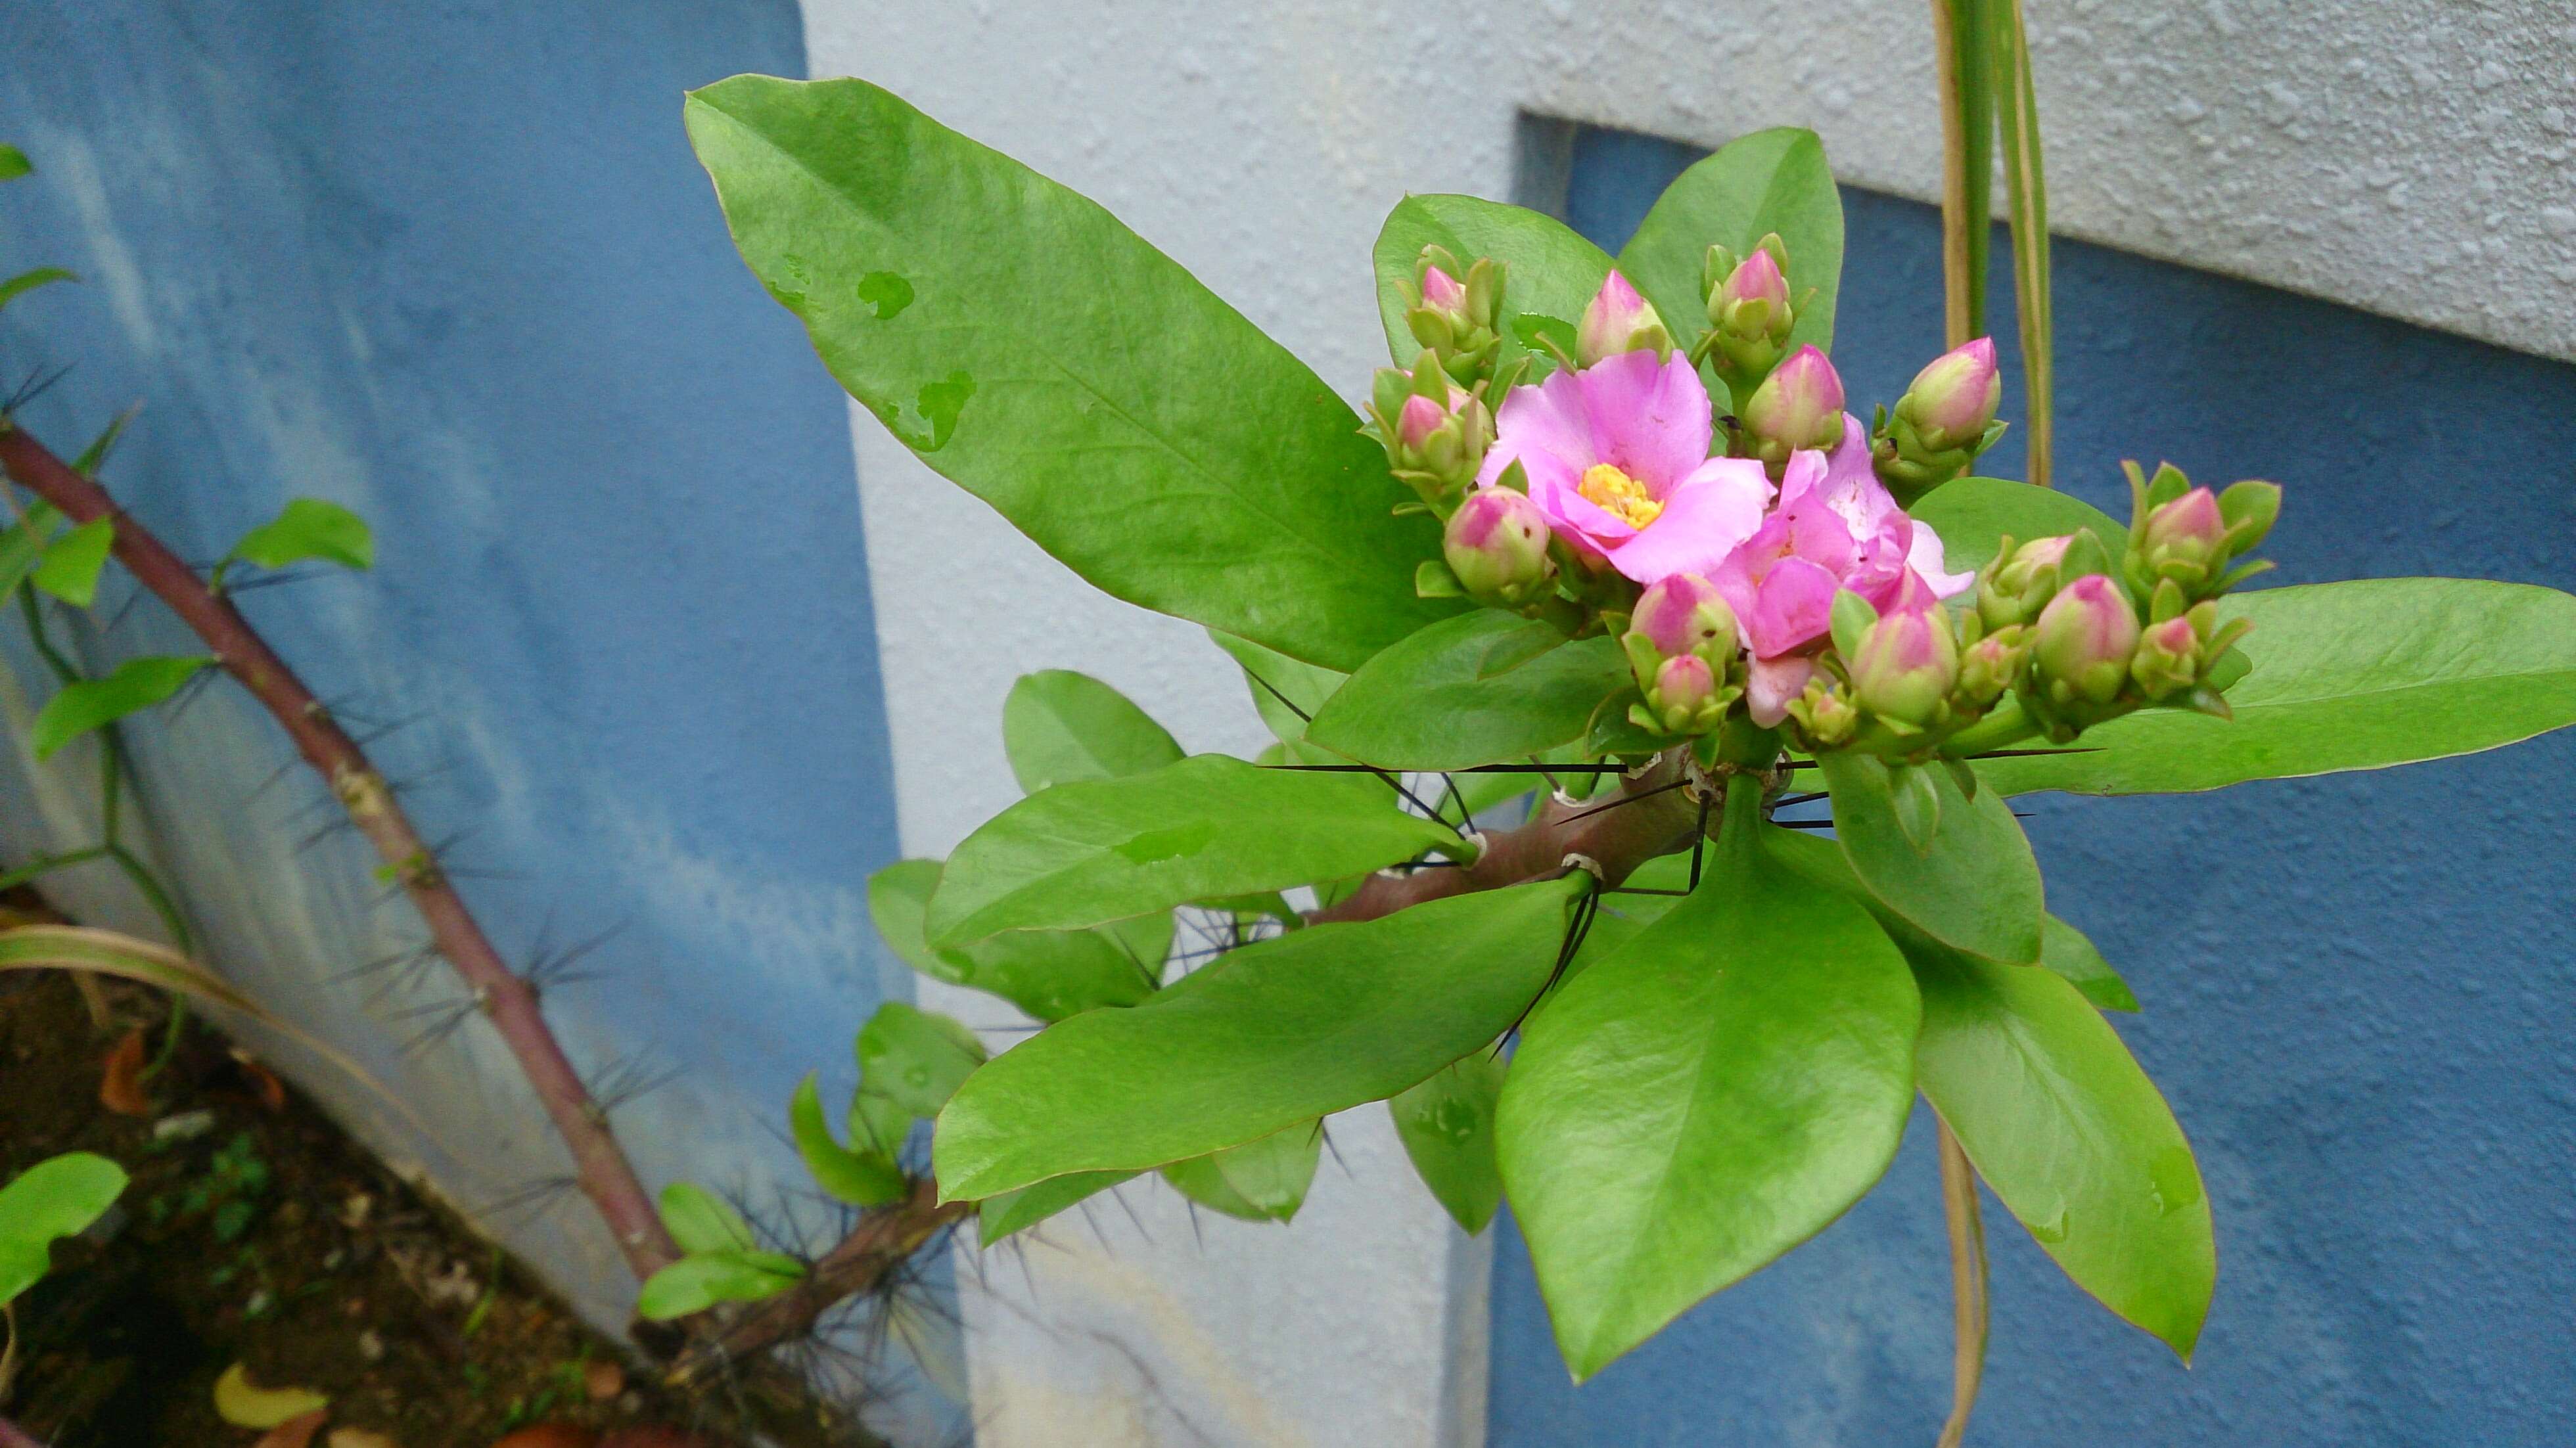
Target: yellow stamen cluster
[(1619, 495)]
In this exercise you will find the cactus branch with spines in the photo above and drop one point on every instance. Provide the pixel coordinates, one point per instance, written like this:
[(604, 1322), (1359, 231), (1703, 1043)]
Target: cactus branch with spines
[(606, 1176)]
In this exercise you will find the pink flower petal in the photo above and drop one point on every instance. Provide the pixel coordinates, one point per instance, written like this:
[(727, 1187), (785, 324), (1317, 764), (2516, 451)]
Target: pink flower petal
[(1582, 521), (1794, 606), (1551, 420), (1771, 683), (1706, 516), (1923, 557), (1649, 418)]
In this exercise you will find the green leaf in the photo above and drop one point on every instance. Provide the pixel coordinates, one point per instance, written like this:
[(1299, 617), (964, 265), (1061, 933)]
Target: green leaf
[(877, 1125), (1100, 850), (2063, 949), (1276, 1033), (915, 1058), (861, 1178), (1051, 974), (1287, 692), (1972, 515), (1200, 1180), (1483, 689), (308, 528), (703, 1279), (1051, 362), (137, 684), (1271, 1174), (1007, 1213), (70, 566), (1447, 1126), (1688, 1109), (1774, 180), (2063, 1125), (1549, 273), (13, 163), (1059, 726), (2357, 675), (22, 545), (700, 1221), (57, 1197), (27, 281), (1974, 886)]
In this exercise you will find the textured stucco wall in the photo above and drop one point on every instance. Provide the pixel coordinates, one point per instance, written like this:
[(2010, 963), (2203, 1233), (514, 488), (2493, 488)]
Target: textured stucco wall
[(2308, 146)]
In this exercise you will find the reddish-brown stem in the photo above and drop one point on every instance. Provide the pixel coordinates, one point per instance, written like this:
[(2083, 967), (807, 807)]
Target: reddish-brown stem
[(1651, 814), (604, 1173)]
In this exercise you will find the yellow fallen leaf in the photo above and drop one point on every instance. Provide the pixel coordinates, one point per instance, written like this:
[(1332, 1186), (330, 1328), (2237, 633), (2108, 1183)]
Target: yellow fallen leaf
[(245, 1404), (360, 1438)]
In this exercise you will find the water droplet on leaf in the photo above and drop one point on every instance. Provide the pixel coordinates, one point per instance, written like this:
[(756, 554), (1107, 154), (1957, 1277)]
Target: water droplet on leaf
[(2174, 1180)]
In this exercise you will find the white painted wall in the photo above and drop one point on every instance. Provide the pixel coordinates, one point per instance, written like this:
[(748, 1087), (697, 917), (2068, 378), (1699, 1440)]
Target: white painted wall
[(2332, 149)]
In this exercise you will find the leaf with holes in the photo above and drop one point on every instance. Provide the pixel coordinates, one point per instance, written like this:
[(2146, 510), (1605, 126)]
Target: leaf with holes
[(1447, 1127), (1146, 435)]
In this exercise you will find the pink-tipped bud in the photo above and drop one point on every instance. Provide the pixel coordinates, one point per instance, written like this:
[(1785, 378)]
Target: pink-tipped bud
[(2015, 588), (1905, 667), (1800, 405), (1619, 320), (2085, 638), (2168, 658), (1988, 667), (1441, 290), (1953, 398), (1496, 543), (1757, 278), (1684, 695), (2185, 540), (1684, 614), (1419, 419)]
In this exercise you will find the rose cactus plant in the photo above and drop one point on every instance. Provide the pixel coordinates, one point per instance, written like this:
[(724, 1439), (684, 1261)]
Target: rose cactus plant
[(1677, 1034)]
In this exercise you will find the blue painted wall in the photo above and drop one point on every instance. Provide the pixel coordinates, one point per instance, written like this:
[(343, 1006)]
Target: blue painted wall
[(2360, 991), (456, 267)]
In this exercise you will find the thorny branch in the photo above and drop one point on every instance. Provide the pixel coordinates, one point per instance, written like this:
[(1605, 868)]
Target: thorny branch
[(605, 1175)]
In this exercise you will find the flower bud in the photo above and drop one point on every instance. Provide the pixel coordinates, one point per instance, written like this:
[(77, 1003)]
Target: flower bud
[(1825, 714), (1440, 291), (1942, 422), (2184, 540), (1684, 614), (1684, 696), (1459, 320), (1497, 545), (1435, 432), (1988, 667), (1905, 667), (1748, 311), (2085, 638), (1800, 405), (1619, 320), (2016, 586), (2168, 658)]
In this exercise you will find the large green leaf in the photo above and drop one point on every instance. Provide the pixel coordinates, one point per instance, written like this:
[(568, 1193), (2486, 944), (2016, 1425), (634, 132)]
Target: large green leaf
[(1972, 515), (56, 1197), (1088, 853), (1549, 273), (1050, 361), (2063, 1125), (1059, 726), (1273, 1034), (1774, 180), (2063, 949), (1051, 974), (1973, 884), (1485, 688), (78, 708), (915, 1058), (1447, 1126), (2346, 676), (1690, 1108)]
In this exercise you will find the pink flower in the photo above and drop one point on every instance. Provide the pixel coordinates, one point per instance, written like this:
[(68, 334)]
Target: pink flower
[(1616, 456), (1835, 527), (1619, 320)]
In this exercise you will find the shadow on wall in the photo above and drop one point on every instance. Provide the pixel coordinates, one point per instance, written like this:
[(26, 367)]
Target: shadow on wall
[(457, 268), (2359, 990)]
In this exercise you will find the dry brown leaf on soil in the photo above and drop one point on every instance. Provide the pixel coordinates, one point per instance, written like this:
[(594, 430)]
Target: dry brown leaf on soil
[(602, 1381), (295, 1432), (120, 1083), (264, 1085)]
